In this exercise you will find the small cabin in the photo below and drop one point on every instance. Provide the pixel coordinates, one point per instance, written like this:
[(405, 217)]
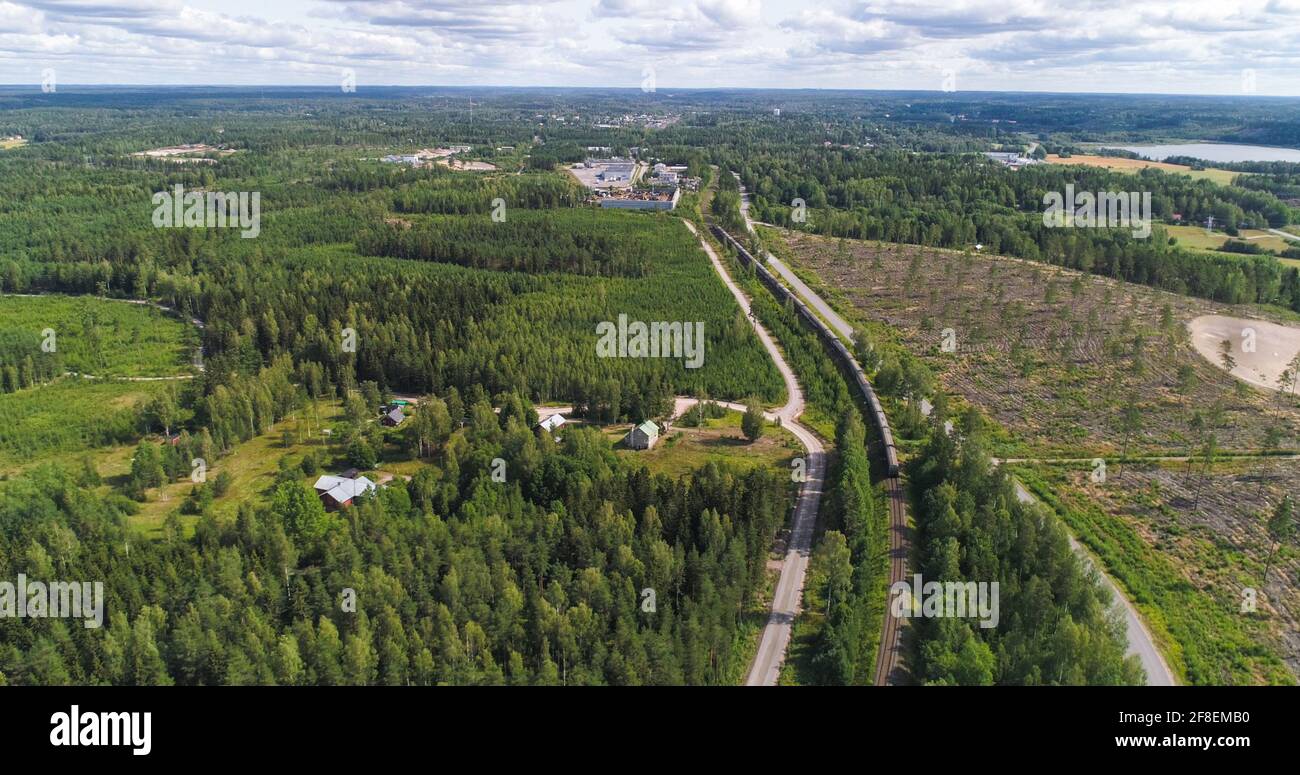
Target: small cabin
[(643, 436), (338, 492), (552, 423)]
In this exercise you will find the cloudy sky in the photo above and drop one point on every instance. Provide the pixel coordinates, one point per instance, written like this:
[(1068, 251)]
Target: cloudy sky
[(1186, 47)]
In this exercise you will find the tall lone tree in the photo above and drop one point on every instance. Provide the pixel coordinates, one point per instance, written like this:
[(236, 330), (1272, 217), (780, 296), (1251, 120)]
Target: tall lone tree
[(1225, 355), (1281, 530), (753, 422)]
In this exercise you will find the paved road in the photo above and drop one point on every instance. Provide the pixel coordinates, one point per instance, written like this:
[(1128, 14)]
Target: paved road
[(810, 297), (786, 600), (1140, 641), (836, 322), (889, 668)]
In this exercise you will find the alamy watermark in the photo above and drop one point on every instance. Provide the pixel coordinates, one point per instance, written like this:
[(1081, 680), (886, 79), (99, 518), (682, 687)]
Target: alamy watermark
[(90, 728), (209, 209), (659, 339), (945, 600), (1104, 209), (53, 600)]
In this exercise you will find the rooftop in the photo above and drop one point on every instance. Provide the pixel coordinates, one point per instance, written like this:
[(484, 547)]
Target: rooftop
[(343, 489)]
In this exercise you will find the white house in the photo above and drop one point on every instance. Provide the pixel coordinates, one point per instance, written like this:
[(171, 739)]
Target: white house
[(643, 436), (550, 424)]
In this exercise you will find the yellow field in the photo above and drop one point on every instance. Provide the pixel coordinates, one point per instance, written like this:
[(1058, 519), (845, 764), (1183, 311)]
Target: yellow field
[(1222, 177), (9, 142), (1196, 237)]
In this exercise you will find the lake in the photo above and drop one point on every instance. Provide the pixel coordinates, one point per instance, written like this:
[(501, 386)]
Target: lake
[(1223, 152)]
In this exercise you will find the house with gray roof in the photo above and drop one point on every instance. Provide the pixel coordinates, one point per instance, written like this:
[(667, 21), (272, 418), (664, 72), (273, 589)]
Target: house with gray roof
[(643, 436), (338, 492)]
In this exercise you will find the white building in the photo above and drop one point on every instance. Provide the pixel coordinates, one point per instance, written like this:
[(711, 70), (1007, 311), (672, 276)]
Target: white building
[(643, 436)]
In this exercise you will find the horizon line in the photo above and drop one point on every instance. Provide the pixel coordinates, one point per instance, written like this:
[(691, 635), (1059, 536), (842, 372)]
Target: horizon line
[(335, 88)]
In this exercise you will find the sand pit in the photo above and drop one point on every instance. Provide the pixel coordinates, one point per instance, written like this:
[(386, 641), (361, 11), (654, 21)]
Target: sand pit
[(1274, 346)]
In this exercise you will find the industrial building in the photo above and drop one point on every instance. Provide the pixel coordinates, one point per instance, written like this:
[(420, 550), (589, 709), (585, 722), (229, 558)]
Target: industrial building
[(620, 172), (645, 199)]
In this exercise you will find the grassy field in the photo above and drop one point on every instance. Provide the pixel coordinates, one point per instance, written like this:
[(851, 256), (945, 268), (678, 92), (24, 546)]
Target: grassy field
[(252, 466), (682, 449), (1058, 359), (10, 142), (72, 414), (1197, 237), (67, 418), (1222, 177), (104, 337)]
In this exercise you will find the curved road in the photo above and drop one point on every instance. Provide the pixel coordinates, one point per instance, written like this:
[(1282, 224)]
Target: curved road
[(810, 296), (794, 566), (1140, 641)]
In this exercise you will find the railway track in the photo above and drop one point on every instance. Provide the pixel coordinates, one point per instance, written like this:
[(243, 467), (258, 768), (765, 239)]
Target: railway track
[(787, 597), (889, 657)]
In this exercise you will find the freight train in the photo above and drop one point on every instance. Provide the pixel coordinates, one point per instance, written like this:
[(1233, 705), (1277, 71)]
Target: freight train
[(842, 354)]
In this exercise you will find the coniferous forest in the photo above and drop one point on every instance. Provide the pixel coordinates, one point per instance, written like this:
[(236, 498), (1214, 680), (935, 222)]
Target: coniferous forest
[(170, 397)]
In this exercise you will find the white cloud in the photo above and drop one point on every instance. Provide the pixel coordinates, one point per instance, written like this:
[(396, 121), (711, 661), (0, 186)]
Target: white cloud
[(1172, 45), (732, 13)]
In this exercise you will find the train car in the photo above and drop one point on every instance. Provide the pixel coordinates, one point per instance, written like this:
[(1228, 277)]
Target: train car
[(844, 353)]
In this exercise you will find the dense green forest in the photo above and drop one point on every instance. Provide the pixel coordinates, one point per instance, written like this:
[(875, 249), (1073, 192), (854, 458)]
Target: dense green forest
[(23, 363), (460, 578), (1055, 625), (481, 292), (61, 360), (534, 581), (851, 563), (849, 567), (421, 324)]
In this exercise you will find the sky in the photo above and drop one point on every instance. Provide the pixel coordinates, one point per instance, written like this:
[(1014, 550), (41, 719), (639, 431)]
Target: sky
[(1137, 46)]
